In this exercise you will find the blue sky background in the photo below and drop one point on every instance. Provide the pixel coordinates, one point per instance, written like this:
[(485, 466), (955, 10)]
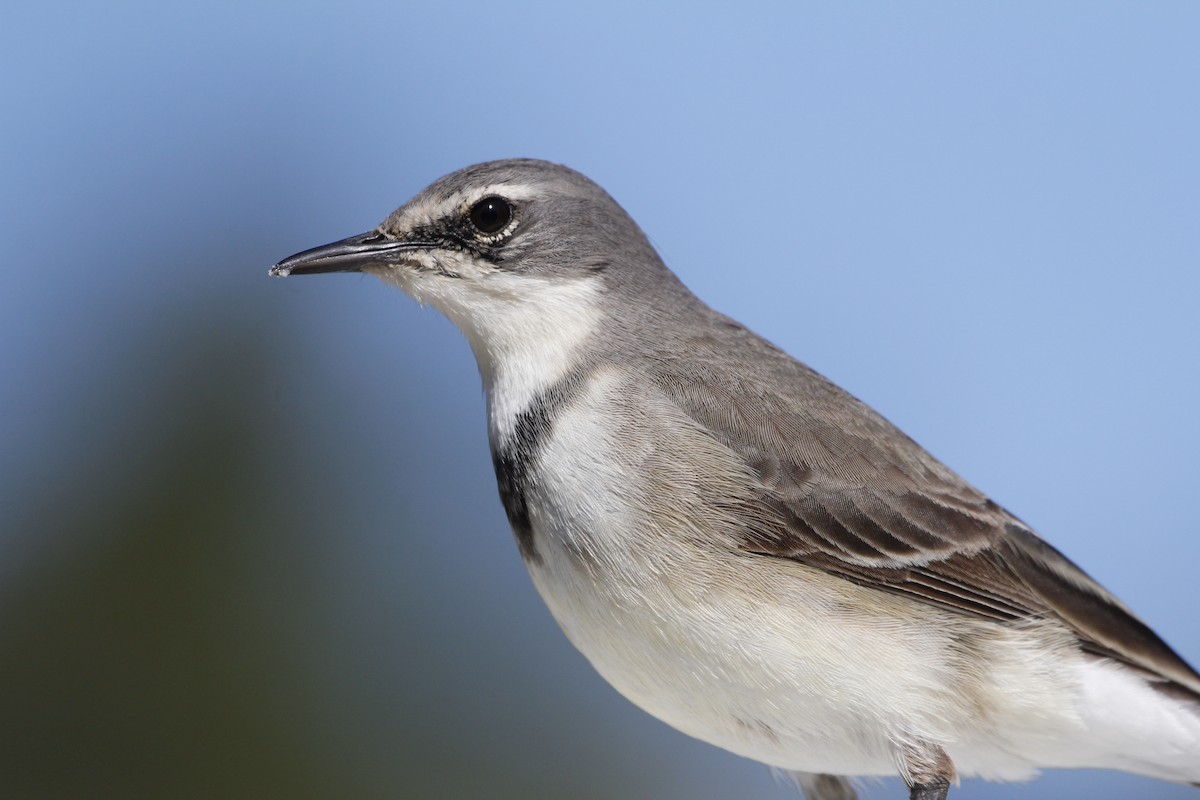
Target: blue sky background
[(250, 542)]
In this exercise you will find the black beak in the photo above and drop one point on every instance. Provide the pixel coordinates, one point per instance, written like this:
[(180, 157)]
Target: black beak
[(349, 255)]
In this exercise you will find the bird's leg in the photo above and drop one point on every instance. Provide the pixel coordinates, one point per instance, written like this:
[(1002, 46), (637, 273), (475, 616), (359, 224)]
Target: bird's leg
[(927, 770), (935, 790)]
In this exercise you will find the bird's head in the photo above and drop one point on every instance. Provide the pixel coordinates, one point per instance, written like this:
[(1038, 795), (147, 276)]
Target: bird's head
[(519, 254)]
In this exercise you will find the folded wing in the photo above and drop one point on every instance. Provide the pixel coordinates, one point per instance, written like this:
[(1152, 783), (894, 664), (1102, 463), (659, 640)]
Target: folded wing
[(843, 490)]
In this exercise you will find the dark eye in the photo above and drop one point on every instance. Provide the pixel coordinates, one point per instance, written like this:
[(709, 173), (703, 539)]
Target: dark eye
[(491, 214)]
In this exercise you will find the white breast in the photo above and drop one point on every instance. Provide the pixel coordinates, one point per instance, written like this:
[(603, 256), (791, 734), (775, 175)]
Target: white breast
[(660, 616)]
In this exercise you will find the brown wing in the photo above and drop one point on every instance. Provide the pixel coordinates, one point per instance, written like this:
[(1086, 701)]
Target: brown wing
[(845, 491)]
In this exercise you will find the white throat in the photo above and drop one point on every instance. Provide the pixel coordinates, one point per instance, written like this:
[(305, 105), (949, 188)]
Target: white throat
[(526, 332)]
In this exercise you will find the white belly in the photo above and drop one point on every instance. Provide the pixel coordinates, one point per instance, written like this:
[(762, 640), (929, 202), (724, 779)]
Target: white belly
[(690, 670), (668, 616), (777, 661)]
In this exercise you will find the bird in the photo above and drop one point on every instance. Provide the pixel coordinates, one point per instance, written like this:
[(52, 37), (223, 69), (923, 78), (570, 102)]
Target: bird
[(744, 549)]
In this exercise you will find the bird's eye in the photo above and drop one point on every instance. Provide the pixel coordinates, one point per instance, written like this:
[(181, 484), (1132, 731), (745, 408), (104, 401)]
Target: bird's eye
[(491, 215)]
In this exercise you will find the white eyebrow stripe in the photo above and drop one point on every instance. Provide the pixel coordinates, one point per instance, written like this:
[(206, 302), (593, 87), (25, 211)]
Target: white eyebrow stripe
[(429, 211)]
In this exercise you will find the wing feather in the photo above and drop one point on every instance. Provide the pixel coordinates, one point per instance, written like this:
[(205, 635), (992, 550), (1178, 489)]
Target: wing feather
[(844, 491)]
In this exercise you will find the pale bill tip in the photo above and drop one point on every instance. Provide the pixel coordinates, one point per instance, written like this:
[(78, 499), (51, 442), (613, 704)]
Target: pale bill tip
[(279, 271)]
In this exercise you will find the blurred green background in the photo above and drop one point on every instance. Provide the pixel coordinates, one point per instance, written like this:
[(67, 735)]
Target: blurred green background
[(250, 544)]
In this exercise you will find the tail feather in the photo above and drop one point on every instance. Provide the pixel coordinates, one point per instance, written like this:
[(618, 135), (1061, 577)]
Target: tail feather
[(1135, 726)]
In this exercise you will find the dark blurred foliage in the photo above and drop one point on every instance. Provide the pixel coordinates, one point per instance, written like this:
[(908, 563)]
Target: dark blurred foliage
[(150, 662), (170, 651)]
